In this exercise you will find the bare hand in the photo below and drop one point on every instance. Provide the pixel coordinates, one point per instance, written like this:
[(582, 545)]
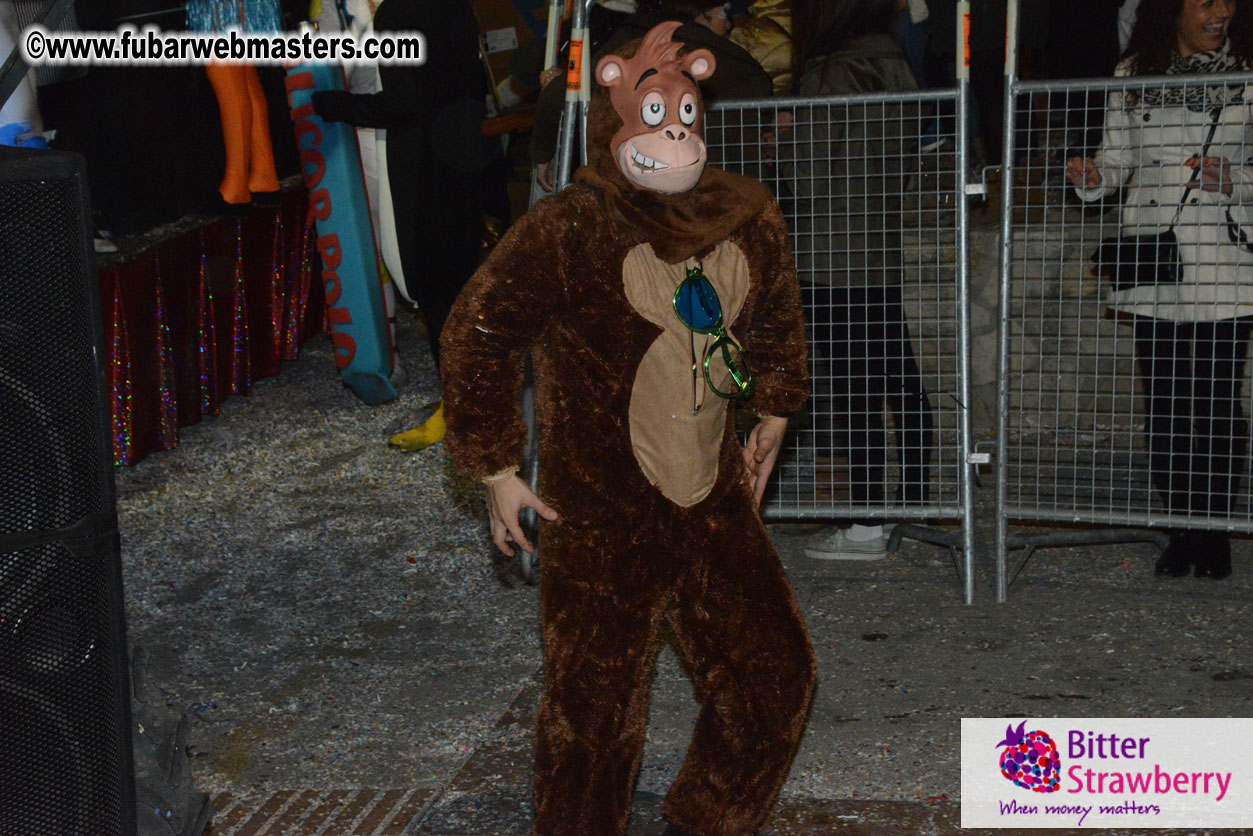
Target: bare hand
[(1215, 174), (544, 173), (505, 498), (1082, 173), (761, 451), (548, 75)]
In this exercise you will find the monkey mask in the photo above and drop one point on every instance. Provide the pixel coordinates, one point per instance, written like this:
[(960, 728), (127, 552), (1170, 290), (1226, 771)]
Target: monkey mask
[(660, 146)]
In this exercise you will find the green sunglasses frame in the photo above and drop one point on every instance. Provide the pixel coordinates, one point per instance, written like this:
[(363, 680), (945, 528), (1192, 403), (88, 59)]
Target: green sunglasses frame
[(722, 341)]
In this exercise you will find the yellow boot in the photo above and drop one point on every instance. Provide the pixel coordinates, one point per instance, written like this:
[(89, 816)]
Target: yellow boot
[(431, 432)]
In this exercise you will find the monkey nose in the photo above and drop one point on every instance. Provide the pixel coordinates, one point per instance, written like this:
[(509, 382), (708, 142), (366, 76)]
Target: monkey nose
[(676, 133)]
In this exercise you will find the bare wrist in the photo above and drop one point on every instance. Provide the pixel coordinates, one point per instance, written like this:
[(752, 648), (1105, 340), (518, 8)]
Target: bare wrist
[(499, 477)]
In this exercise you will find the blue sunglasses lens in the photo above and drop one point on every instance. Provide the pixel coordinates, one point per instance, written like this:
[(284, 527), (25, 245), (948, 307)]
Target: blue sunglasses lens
[(697, 304)]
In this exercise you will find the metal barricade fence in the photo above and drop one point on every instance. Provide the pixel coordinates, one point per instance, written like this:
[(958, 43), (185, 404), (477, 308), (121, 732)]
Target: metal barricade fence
[(1122, 388), (872, 187)]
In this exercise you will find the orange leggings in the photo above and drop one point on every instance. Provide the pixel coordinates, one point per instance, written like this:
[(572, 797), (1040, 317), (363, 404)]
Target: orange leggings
[(246, 131)]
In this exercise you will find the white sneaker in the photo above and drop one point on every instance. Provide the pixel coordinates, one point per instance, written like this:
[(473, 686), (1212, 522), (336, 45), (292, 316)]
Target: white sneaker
[(835, 545)]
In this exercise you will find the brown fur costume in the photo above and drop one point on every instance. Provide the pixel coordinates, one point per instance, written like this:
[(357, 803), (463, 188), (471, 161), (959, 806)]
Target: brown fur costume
[(657, 523)]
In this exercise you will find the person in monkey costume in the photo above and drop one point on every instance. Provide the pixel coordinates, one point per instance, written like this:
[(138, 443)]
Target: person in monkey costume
[(642, 293)]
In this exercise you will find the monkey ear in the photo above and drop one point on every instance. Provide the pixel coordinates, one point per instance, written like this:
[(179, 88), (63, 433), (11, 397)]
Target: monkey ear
[(609, 71), (700, 63)]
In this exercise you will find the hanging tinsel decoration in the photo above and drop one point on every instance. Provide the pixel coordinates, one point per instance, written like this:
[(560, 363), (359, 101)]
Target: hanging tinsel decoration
[(206, 340), (241, 349), (220, 15), (299, 293), (277, 292), (167, 418), (120, 377)]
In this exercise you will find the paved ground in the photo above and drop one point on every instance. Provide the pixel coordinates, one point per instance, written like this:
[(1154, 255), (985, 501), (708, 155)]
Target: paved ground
[(353, 661)]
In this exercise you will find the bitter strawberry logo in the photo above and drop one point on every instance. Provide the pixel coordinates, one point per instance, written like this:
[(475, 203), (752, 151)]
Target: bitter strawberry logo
[(1030, 759)]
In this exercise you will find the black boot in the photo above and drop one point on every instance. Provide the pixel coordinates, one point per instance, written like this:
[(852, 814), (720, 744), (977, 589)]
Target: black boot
[(1177, 557), (1213, 555)]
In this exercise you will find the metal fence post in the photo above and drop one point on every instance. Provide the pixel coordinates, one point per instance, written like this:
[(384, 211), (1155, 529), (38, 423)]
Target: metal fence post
[(577, 96), (964, 191), (1002, 391)]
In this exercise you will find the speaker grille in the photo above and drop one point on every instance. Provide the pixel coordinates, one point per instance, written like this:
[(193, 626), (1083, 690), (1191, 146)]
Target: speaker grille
[(58, 753), (65, 764), (47, 366)]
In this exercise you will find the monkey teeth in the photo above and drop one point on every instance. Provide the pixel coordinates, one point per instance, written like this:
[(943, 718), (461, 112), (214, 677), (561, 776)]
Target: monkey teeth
[(646, 162)]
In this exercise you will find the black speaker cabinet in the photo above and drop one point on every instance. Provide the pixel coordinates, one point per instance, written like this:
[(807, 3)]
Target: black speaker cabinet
[(65, 758)]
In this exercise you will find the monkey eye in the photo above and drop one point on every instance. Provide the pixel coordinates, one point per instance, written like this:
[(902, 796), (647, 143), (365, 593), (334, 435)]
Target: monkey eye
[(653, 111), (687, 109)]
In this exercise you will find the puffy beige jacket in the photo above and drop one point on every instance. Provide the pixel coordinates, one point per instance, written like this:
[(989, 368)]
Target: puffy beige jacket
[(767, 35)]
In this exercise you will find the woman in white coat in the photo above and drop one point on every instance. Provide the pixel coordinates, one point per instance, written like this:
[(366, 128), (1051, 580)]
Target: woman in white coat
[(1191, 337)]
